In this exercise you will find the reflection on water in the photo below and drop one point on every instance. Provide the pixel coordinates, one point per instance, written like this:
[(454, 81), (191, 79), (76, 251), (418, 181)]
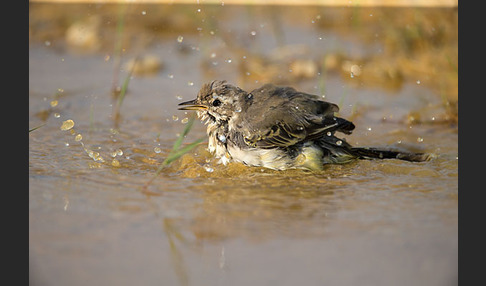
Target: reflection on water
[(393, 72)]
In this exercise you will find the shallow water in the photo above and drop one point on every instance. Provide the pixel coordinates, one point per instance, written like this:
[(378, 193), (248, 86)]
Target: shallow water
[(91, 222)]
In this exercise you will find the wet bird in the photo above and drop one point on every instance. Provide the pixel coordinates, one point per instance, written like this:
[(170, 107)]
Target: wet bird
[(278, 128)]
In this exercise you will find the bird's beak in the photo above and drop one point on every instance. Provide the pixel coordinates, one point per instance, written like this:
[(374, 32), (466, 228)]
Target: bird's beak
[(192, 105)]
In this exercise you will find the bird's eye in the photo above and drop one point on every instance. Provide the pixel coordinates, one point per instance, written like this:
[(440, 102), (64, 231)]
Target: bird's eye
[(217, 102)]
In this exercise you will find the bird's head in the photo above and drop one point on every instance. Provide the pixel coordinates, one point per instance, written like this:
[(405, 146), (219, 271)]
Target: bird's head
[(217, 101)]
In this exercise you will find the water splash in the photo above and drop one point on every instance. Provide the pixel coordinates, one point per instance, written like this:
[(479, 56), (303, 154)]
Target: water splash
[(115, 163), (67, 125)]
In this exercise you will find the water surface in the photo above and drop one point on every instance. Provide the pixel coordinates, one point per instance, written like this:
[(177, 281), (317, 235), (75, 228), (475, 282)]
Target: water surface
[(91, 222)]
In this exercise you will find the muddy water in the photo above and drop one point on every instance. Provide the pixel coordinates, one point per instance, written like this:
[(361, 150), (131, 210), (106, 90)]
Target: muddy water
[(91, 222)]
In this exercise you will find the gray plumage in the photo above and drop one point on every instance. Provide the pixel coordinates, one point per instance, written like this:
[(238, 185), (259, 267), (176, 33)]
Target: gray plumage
[(278, 128)]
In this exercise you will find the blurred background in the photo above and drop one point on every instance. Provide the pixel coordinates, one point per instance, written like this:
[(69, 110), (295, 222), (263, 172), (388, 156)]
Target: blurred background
[(105, 78)]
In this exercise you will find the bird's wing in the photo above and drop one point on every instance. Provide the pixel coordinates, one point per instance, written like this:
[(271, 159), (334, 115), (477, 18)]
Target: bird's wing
[(282, 117)]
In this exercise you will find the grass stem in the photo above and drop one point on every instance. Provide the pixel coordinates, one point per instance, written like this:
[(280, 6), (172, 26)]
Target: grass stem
[(177, 151)]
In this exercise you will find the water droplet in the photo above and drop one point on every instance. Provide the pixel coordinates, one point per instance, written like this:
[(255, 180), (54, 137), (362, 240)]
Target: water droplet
[(179, 97), (351, 75), (238, 109), (54, 103), (213, 55), (175, 118), (208, 169), (57, 115), (199, 10), (339, 142), (180, 39), (119, 152), (95, 155), (222, 138), (369, 128), (190, 83), (47, 43), (157, 150), (66, 144), (329, 133), (185, 120), (66, 125), (78, 137), (228, 61), (420, 139), (355, 70), (171, 76), (115, 163), (253, 33), (113, 154), (418, 81)]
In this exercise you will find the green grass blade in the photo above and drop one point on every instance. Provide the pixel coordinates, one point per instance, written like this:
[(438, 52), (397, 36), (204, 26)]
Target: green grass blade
[(35, 128), (172, 157), (175, 155), (186, 130), (124, 88), (176, 151)]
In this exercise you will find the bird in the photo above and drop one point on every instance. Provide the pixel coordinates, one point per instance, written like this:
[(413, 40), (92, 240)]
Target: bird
[(279, 128)]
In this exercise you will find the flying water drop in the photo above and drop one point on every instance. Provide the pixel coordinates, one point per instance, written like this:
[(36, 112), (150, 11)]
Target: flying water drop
[(66, 125), (222, 138)]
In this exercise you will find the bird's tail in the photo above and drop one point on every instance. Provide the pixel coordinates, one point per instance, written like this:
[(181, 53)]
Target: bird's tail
[(373, 153)]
